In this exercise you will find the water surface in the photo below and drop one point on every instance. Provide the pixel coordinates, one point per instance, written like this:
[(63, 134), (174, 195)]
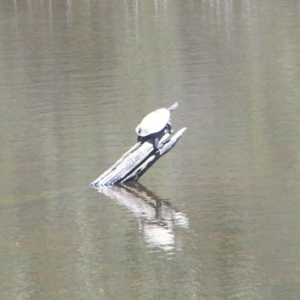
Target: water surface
[(217, 217)]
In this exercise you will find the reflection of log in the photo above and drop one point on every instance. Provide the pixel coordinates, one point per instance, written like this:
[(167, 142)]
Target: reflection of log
[(135, 162), (156, 217)]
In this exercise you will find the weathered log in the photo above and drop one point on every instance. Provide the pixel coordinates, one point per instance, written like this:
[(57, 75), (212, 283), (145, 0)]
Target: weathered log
[(140, 170), (135, 162)]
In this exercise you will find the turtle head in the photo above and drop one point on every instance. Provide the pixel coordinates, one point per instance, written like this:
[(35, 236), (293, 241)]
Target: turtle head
[(173, 107)]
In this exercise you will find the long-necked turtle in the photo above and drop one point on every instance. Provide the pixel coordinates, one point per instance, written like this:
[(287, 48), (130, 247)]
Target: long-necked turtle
[(155, 125)]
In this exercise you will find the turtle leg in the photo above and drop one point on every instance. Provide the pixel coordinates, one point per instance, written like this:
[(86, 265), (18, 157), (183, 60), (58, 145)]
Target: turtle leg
[(139, 139), (157, 144), (169, 125)]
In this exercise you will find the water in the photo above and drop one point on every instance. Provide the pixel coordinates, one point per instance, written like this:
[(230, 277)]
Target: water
[(217, 217)]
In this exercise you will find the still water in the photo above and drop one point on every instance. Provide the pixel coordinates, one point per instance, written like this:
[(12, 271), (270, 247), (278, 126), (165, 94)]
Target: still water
[(218, 217)]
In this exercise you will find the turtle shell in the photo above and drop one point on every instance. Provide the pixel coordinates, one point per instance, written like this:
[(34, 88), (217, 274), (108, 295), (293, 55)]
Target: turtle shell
[(153, 122)]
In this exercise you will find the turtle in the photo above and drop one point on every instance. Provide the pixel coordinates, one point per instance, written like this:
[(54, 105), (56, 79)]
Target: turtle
[(155, 125)]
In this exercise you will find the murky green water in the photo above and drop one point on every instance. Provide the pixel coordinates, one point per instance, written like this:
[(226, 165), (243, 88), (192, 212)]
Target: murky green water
[(218, 217)]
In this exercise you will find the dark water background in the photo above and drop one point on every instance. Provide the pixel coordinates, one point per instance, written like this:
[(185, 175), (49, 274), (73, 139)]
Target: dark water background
[(218, 217)]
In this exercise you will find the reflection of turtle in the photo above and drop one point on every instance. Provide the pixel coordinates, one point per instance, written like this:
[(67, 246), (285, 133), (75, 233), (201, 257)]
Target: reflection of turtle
[(155, 125)]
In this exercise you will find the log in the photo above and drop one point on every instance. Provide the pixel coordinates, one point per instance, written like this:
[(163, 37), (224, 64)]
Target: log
[(135, 162)]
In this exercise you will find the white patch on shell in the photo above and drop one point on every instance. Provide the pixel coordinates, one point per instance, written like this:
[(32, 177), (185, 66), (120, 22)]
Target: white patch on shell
[(153, 122)]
